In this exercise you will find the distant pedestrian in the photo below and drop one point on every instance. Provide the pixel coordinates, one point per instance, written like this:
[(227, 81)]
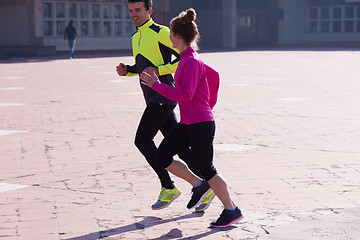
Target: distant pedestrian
[(70, 36), (196, 88)]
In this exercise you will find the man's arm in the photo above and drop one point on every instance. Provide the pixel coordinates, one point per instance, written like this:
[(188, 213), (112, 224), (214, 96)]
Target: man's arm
[(131, 70), (126, 70), (166, 44)]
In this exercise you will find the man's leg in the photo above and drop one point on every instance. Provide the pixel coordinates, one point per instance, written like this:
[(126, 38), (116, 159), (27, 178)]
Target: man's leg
[(153, 118), (72, 49), (151, 121)]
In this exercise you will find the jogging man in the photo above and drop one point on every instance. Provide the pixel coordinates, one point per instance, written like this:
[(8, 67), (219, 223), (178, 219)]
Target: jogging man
[(152, 50)]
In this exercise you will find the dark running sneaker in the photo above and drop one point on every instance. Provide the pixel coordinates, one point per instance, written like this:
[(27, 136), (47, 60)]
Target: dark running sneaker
[(227, 217), (198, 194)]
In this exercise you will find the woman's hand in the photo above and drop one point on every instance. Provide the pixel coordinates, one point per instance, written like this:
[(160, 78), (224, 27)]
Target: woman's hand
[(148, 79), (149, 70)]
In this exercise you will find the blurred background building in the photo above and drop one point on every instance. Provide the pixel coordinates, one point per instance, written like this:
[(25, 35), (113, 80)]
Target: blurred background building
[(36, 27)]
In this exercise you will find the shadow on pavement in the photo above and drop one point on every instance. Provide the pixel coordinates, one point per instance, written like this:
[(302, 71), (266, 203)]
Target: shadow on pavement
[(146, 223)]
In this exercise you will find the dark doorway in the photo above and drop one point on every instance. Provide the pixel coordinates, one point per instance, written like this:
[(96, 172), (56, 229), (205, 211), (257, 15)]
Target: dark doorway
[(257, 23), (267, 27)]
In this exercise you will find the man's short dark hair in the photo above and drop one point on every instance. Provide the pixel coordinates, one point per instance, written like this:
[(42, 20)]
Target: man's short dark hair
[(147, 3)]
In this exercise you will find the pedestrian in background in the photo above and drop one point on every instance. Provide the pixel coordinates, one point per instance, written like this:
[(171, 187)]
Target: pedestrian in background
[(70, 36)]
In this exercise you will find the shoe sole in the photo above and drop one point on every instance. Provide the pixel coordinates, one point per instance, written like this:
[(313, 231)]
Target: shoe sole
[(167, 203), (202, 197), (207, 206), (226, 225)]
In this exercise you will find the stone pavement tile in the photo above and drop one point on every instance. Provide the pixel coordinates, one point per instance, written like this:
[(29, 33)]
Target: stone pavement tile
[(286, 142), (41, 229), (311, 226)]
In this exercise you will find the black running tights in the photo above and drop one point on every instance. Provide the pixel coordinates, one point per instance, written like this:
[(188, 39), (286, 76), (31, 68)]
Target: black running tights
[(160, 117)]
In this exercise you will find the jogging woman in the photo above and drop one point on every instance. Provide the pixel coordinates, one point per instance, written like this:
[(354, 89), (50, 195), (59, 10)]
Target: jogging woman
[(196, 87)]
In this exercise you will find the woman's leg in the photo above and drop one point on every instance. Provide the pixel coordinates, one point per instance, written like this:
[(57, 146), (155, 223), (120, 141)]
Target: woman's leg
[(201, 137), (185, 154), (220, 188), (175, 141)]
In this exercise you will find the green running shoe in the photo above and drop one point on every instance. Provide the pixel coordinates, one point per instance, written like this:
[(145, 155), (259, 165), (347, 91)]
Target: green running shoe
[(166, 197), (205, 203)]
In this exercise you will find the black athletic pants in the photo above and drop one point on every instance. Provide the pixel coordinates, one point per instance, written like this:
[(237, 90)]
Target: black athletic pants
[(199, 137), (160, 117)]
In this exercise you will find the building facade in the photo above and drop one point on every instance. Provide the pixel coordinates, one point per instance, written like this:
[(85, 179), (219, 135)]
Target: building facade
[(226, 24)]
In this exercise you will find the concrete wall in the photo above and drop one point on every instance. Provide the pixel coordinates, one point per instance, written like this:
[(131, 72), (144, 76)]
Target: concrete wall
[(332, 37), (209, 19), (229, 24), (14, 22), (293, 25), (88, 44)]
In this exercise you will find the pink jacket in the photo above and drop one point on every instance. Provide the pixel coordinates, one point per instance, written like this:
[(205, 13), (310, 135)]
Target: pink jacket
[(196, 89)]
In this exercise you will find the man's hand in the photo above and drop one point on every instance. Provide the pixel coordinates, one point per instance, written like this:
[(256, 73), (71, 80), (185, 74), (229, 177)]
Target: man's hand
[(121, 69), (151, 70)]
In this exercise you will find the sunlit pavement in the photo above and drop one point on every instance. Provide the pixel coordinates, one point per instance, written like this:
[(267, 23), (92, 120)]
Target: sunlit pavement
[(287, 142)]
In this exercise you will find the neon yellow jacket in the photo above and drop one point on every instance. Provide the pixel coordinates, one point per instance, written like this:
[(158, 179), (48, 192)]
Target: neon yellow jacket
[(152, 48)]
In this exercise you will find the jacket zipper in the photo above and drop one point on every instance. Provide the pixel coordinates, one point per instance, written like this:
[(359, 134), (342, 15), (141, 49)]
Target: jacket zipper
[(139, 38)]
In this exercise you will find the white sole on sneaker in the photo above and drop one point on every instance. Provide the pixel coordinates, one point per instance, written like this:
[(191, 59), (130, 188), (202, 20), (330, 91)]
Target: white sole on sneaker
[(202, 197), (227, 225), (207, 206)]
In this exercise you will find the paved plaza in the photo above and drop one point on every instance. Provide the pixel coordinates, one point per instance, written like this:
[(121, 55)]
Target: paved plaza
[(287, 142)]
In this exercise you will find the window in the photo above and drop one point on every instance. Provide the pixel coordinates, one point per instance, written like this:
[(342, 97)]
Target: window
[(325, 27), (84, 11), (84, 28), (336, 26), (128, 28), (337, 12), (106, 29), (349, 26), (47, 28), (118, 28), (95, 11), (60, 10), (47, 10), (349, 12), (72, 10), (313, 27), (60, 28), (92, 18), (334, 19), (325, 13), (313, 13), (96, 28), (117, 11), (106, 11)]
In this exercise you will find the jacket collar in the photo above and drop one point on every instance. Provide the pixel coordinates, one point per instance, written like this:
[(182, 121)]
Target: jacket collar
[(188, 51), (146, 24)]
